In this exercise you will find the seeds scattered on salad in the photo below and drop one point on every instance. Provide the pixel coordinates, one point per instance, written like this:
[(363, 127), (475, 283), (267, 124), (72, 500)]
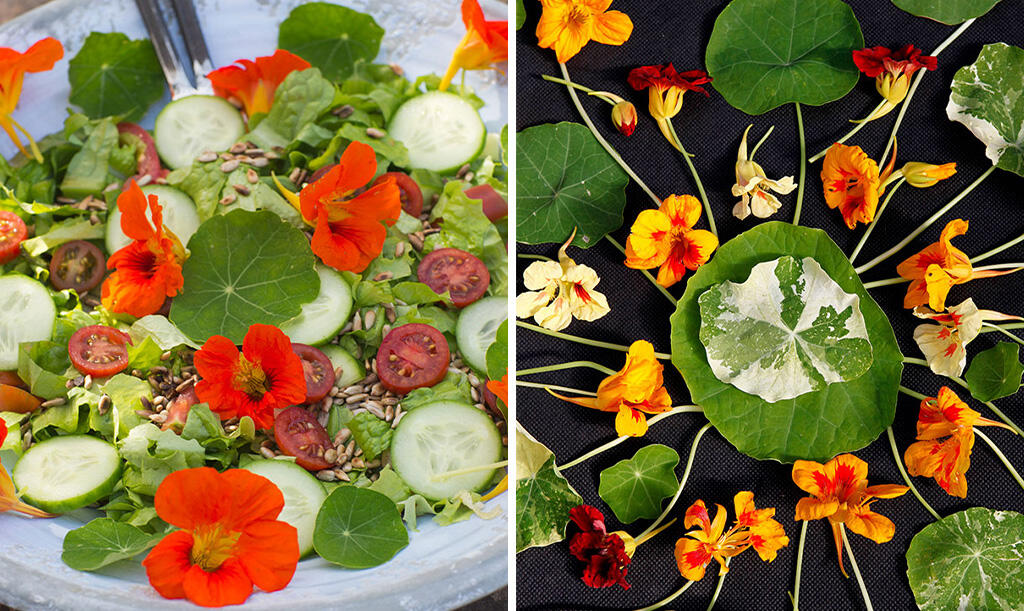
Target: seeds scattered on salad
[(252, 176), (237, 148), (53, 402), (206, 157), (229, 166), (228, 199), (241, 189), (343, 112), (374, 132)]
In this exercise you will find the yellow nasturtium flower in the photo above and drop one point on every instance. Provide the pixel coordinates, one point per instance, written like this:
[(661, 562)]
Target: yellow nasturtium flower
[(559, 291), (568, 25), (754, 186)]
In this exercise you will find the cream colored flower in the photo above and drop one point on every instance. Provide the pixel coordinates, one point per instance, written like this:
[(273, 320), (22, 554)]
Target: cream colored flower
[(945, 345), (754, 186)]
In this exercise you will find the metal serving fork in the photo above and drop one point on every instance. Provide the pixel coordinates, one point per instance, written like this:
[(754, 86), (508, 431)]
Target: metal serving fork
[(174, 69)]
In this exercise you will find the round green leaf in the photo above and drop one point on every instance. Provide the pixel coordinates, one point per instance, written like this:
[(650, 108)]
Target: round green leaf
[(244, 268), (950, 12), (766, 53), (330, 37), (566, 180), (112, 75), (636, 487), (996, 372), (842, 416), (970, 561), (104, 541), (358, 528)]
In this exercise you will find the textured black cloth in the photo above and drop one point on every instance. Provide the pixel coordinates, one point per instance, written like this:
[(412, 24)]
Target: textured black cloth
[(678, 32)]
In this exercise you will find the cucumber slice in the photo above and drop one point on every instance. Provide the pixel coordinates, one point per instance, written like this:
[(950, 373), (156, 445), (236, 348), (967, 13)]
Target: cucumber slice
[(187, 127), (67, 473), (352, 370), (179, 211), (322, 318), (477, 328), (303, 496), (441, 130), (27, 314), (445, 436)]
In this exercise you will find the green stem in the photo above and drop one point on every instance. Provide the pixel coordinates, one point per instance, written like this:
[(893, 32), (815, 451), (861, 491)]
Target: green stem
[(906, 476), (604, 143), (999, 266), (799, 566), (682, 482), (998, 249), (856, 569), (553, 79), (654, 281), (803, 165), (718, 588), (753, 151), (569, 365), (912, 393), (523, 255), (669, 598), (684, 409), (553, 387), (886, 282), (849, 134), (1012, 325), (1002, 457), (582, 340), (931, 220), (878, 215), (696, 178), (1003, 331)]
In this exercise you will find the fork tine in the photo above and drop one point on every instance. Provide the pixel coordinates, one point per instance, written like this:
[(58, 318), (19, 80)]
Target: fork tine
[(194, 43), (174, 71)]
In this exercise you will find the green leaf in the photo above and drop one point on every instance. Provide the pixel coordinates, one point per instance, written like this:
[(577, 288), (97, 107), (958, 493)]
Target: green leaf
[(969, 561), (245, 268), (104, 541), (520, 14), (298, 101), (371, 433), (332, 38), (950, 12), (543, 496), (636, 487), (42, 365), (161, 331), (986, 97), (203, 182), (87, 171), (497, 354), (144, 355), (262, 196), (461, 507), (126, 393), (843, 416), (766, 53), (454, 387), (74, 228), (112, 75), (996, 372), (465, 226), (151, 455), (358, 528), (565, 180)]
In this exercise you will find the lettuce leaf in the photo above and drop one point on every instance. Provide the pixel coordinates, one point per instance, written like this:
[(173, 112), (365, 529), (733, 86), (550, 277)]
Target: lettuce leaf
[(299, 100), (151, 455), (372, 434)]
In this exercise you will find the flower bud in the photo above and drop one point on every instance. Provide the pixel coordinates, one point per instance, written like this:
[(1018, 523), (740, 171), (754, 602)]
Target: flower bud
[(624, 117), (926, 174)]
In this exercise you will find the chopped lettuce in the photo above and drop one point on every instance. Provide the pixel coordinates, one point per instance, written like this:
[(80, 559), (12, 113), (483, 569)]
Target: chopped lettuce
[(299, 100), (64, 231), (151, 455), (371, 433)]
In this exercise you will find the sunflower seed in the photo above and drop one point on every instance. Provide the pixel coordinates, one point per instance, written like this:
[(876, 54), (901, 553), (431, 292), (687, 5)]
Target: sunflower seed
[(159, 400), (343, 111), (462, 171), (475, 394), (399, 249), (398, 418), (383, 276), (342, 475), (389, 413), (326, 404), (357, 322), (416, 241), (377, 389), (390, 400), (473, 380), (346, 467), (357, 463), (355, 388), (158, 418), (145, 413), (242, 189), (342, 437), (87, 382), (352, 400), (206, 157), (184, 384), (375, 410), (252, 176), (469, 176), (350, 448), (326, 475), (53, 402), (104, 405), (228, 199), (369, 319), (373, 132)]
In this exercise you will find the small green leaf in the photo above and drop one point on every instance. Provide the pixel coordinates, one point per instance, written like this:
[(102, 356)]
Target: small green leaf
[(203, 182), (520, 14), (996, 372), (87, 170), (497, 354), (112, 75), (636, 487), (969, 561), (543, 496), (359, 528), (299, 99), (371, 433), (565, 180), (949, 12), (332, 38), (104, 541)]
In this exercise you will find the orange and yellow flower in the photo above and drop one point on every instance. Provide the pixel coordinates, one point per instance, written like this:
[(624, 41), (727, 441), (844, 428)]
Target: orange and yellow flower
[(147, 271), (665, 88), (254, 82), (567, 25), (485, 43), (852, 183), (923, 175), (710, 541), (230, 538), (9, 500), (264, 376), (665, 238), (839, 491), (40, 57)]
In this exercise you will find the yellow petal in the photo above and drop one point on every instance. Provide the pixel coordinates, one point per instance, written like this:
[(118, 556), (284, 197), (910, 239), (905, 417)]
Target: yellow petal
[(630, 422), (529, 303), (542, 275)]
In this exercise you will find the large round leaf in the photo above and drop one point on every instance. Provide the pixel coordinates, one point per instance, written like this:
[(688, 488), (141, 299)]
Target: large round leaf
[(842, 416), (969, 561), (950, 12), (766, 53)]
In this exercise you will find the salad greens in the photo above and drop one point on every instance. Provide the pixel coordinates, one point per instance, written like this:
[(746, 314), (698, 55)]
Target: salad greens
[(114, 76)]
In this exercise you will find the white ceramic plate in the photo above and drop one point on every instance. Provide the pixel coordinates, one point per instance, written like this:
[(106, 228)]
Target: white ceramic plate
[(442, 568)]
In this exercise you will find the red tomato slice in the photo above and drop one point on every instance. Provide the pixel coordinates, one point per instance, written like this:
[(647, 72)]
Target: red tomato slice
[(12, 233), (77, 265), (14, 399), (412, 196), (11, 377), (301, 435), (457, 271), (412, 356), (177, 411), (318, 369), (148, 159), (494, 205), (99, 351)]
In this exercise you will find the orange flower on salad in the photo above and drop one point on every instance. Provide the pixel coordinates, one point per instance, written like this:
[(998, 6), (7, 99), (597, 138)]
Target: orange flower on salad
[(665, 88), (665, 238), (147, 271), (230, 538), (568, 25), (40, 57), (485, 43), (264, 376), (9, 500), (254, 82), (499, 387)]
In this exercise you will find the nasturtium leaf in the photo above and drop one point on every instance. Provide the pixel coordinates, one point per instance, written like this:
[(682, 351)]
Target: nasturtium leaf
[(359, 528), (970, 561), (988, 98), (841, 417), (950, 12), (543, 496), (244, 268), (995, 373), (789, 329), (497, 354), (112, 75), (636, 487), (104, 541), (565, 181), (766, 53), (331, 37), (520, 14)]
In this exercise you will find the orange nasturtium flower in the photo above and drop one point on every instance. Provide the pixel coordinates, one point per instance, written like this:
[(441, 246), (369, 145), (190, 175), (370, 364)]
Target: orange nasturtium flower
[(40, 57), (499, 387), (254, 82), (665, 88), (264, 376), (230, 538), (635, 389), (147, 271), (710, 541), (9, 500), (567, 25), (839, 491), (485, 43), (665, 238), (945, 430)]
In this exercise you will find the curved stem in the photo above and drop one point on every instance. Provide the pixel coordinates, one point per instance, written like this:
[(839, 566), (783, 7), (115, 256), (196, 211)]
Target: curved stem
[(654, 281), (553, 79), (1013, 266), (604, 143), (998, 249), (661, 603), (523, 255), (856, 569), (1003, 331), (803, 165), (554, 387), (753, 151), (931, 220), (569, 365), (849, 134), (799, 566), (696, 177), (682, 482), (990, 405), (718, 588), (582, 340), (684, 409), (906, 477), (886, 282), (912, 393), (878, 215), (1002, 457)]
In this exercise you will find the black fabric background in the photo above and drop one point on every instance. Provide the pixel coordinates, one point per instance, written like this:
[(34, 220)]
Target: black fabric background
[(549, 578)]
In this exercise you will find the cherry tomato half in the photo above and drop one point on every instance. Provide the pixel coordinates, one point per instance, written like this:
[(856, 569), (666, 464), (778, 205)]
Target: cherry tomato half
[(14, 399), (99, 351), (12, 233), (148, 161), (494, 205), (77, 265), (301, 435), (318, 369), (12, 378), (412, 356), (178, 409), (457, 271), (412, 196)]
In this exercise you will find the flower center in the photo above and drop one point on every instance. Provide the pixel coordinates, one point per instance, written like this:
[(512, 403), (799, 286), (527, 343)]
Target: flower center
[(212, 546), (250, 379), (581, 292), (577, 17)]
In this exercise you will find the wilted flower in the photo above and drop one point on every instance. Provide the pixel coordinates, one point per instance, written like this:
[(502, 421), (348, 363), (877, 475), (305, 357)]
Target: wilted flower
[(754, 186)]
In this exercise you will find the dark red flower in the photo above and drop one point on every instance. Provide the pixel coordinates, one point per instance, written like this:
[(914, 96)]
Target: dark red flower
[(604, 553), (664, 77), (873, 61)]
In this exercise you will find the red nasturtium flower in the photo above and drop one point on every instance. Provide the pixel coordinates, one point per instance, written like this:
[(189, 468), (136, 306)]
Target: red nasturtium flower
[(254, 82), (485, 43), (40, 57), (604, 552), (230, 538), (147, 271), (264, 376), (892, 71), (665, 238), (665, 88)]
